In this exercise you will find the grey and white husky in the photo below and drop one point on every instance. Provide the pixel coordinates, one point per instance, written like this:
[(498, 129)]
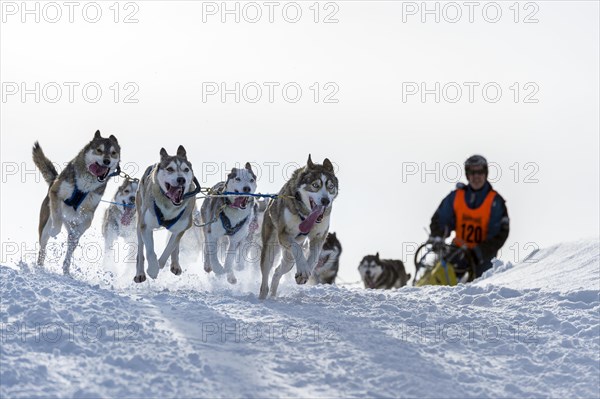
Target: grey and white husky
[(301, 213), (228, 217), (329, 262), (166, 197), (382, 273), (120, 219), (74, 194)]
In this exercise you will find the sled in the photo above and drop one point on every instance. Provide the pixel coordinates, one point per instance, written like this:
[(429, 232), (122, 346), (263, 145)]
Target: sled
[(438, 266)]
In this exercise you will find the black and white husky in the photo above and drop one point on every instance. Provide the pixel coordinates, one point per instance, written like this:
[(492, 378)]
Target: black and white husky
[(382, 273), (329, 262), (166, 197), (228, 217), (75, 193)]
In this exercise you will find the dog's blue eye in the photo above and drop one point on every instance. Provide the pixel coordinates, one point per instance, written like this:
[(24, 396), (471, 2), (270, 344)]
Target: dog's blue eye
[(251, 180), (126, 191), (238, 179), (170, 170), (186, 170)]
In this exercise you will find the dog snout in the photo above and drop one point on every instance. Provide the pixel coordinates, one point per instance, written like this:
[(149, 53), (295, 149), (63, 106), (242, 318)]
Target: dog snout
[(181, 181), (106, 161), (325, 201), (132, 199), (247, 189)]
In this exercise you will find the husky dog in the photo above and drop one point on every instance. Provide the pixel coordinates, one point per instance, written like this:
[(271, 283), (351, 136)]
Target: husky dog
[(120, 218), (329, 262), (74, 194), (164, 199), (301, 212), (258, 214), (228, 217), (382, 273)]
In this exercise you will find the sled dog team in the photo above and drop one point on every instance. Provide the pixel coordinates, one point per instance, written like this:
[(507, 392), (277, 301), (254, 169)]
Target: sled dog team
[(294, 226)]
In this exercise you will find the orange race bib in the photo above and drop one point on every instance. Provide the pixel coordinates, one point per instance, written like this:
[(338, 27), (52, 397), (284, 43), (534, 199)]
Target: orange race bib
[(472, 224)]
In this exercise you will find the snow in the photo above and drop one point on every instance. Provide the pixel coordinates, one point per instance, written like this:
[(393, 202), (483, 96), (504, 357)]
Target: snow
[(530, 329)]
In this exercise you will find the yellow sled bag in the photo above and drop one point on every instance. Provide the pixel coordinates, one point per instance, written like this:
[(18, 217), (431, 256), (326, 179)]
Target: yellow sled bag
[(439, 275)]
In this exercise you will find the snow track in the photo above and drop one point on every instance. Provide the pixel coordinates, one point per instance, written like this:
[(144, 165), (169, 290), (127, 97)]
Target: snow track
[(528, 330)]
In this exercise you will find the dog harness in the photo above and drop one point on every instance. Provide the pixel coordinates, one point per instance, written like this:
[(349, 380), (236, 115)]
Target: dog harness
[(231, 230), (76, 197), (161, 218), (472, 224)]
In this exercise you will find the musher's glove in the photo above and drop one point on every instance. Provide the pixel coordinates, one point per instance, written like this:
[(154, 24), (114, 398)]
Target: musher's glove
[(437, 243)]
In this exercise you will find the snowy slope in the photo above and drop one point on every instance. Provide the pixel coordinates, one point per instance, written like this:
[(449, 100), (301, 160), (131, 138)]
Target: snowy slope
[(531, 329)]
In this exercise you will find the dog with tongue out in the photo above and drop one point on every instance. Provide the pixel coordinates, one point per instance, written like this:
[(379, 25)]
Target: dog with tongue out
[(74, 194), (119, 219), (226, 220), (166, 197), (300, 213)]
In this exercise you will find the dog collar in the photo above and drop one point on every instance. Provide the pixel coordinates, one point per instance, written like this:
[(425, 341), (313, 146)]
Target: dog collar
[(76, 197), (231, 230), (161, 218)]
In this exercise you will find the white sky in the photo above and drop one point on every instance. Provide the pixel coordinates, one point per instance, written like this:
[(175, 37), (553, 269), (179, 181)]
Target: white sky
[(372, 135)]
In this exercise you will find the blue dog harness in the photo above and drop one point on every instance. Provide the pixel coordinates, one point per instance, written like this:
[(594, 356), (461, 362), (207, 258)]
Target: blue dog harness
[(161, 218), (231, 230), (76, 197)]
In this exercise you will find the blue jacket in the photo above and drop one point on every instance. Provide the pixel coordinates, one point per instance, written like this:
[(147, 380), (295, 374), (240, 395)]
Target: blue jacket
[(443, 221)]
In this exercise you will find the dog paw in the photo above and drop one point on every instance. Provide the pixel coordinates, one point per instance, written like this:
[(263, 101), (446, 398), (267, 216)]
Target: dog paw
[(176, 270), (207, 268), (231, 279), (264, 290), (153, 269), (301, 278), (140, 278), (153, 273)]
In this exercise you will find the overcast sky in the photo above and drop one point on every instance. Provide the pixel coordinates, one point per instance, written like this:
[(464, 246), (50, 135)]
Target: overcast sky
[(396, 100)]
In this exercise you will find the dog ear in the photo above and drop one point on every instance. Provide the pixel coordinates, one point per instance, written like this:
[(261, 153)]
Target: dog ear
[(249, 167), (97, 135), (333, 234), (113, 138), (328, 165), (232, 174), (377, 255), (163, 153), (181, 152), (310, 163)]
